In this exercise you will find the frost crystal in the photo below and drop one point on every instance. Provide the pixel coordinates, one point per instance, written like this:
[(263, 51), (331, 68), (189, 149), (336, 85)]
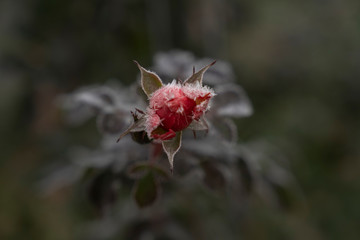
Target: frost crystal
[(173, 107)]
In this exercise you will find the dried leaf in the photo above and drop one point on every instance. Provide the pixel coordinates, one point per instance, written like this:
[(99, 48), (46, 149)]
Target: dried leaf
[(136, 126), (146, 190), (150, 82), (198, 76), (199, 125), (171, 147)]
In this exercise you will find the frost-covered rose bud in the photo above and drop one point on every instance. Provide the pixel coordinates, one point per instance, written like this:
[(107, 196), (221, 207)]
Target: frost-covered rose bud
[(174, 106)]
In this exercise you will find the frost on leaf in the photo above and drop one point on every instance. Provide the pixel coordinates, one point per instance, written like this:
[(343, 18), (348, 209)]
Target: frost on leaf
[(219, 74), (200, 125), (137, 126), (198, 76), (216, 158), (232, 101), (150, 82), (171, 147), (174, 64), (111, 122)]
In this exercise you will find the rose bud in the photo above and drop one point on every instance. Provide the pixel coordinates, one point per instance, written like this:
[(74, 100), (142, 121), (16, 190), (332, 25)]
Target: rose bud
[(172, 108)]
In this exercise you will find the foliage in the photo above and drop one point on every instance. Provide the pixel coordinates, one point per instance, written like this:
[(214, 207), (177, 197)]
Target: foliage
[(212, 164), (297, 60)]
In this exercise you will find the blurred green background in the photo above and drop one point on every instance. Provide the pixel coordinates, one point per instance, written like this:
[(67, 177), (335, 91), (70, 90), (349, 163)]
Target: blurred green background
[(297, 60)]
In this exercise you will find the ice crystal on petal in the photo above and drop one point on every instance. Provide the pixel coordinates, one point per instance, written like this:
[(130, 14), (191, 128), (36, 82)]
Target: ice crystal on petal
[(152, 121), (173, 107)]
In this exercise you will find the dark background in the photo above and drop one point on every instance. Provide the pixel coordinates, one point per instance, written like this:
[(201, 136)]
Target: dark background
[(297, 60)]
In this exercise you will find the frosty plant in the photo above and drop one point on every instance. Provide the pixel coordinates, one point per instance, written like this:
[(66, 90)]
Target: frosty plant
[(172, 108), (218, 161)]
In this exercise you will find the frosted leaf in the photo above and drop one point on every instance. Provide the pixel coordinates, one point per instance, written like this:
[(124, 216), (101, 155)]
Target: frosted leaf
[(99, 97), (137, 126), (226, 128), (92, 158), (87, 102), (199, 125), (220, 73), (90, 98), (112, 123), (174, 64), (150, 81), (79, 113), (197, 77), (171, 147), (123, 152), (125, 98), (211, 147), (232, 101)]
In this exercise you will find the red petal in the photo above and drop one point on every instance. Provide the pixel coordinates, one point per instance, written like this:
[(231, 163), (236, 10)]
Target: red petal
[(165, 136)]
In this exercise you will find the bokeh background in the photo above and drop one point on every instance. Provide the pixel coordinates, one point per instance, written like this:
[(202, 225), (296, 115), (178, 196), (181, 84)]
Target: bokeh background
[(297, 60)]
